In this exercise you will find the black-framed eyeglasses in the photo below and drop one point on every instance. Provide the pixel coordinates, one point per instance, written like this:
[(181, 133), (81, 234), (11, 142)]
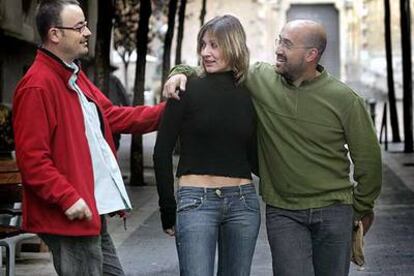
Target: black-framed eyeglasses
[(80, 29), (287, 44)]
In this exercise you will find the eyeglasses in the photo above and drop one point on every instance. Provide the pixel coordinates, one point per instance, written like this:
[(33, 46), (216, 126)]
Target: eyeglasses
[(287, 44), (80, 29)]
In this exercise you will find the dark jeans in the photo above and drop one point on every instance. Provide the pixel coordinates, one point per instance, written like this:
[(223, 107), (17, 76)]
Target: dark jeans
[(84, 256), (229, 216), (310, 242)]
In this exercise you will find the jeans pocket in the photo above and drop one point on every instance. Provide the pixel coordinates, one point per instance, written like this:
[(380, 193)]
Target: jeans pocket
[(189, 203), (251, 202)]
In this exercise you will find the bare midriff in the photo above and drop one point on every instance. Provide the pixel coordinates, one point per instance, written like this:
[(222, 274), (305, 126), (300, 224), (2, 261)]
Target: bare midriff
[(211, 181)]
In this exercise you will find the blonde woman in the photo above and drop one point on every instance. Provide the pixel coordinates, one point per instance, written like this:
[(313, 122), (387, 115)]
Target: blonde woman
[(216, 201)]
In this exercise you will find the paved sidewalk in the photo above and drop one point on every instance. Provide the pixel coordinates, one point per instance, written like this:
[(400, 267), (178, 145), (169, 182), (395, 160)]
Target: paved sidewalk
[(402, 164)]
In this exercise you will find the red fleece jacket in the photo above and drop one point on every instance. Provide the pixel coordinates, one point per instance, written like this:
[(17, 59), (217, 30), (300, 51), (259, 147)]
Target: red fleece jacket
[(52, 149)]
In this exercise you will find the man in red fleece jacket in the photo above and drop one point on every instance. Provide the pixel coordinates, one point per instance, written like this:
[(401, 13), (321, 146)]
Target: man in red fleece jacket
[(63, 130)]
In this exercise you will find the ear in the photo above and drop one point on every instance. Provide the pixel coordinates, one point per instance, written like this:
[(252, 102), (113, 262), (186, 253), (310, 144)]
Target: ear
[(312, 55), (54, 35)]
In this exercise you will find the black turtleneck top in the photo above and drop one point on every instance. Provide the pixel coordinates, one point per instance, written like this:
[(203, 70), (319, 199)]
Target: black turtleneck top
[(215, 121)]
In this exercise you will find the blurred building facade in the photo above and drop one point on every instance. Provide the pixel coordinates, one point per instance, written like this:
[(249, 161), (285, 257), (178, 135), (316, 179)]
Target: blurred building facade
[(263, 20), (357, 36), (366, 51), (356, 26), (17, 47), (19, 40)]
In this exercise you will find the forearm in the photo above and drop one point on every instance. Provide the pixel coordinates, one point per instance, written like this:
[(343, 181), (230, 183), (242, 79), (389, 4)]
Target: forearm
[(165, 185), (139, 119), (164, 176), (366, 156), (369, 179), (136, 120)]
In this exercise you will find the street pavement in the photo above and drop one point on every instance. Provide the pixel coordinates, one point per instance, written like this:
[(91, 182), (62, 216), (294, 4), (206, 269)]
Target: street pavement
[(145, 250)]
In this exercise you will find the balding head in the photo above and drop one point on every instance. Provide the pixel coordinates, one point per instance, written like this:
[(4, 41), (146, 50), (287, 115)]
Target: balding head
[(312, 33)]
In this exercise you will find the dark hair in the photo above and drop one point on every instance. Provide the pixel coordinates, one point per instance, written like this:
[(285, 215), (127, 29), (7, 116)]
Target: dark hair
[(231, 38), (48, 15)]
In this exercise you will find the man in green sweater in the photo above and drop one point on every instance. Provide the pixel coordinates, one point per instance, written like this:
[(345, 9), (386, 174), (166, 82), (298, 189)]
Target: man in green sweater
[(310, 125)]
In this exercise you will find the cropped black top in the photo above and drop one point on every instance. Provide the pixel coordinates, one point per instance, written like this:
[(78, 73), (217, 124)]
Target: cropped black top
[(215, 121)]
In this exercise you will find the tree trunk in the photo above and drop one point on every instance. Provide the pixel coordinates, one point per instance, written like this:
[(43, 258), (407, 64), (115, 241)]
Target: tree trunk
[(126, 57), (126, 81), (407, 74), (166, 59), (137, 164), (390, 74), (103, 45), (180, 33), (203, 12)]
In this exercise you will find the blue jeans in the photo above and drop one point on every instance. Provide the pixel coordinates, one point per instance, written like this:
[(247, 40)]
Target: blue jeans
[(310, 242), (84, 256), (229, 216)]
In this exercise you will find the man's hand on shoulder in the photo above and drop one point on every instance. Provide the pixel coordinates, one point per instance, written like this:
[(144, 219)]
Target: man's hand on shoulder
[(173, 85), (79, 210)]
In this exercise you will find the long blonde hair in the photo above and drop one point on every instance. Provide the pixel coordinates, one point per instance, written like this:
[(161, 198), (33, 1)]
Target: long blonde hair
[(231, 38)]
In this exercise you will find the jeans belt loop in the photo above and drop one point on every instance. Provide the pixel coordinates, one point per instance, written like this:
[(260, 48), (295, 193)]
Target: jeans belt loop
[(241, 191)]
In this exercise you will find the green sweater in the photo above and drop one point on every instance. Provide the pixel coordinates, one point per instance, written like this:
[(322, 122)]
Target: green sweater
[(304, 134)]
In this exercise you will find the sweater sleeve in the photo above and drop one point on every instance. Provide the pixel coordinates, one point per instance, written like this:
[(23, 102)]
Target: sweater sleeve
[(139, 119), (252, 76), (168, 133), (183, 69), (34, 123), (366, 155)]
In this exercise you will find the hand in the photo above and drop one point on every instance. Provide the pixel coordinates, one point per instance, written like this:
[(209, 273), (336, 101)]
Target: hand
[(172, 85), (367, 221), (170, 231), (79, 210)]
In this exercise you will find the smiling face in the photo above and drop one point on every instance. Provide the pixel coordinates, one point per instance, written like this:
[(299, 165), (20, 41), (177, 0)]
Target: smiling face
[(290, 53), (72, 43), (212, 55)]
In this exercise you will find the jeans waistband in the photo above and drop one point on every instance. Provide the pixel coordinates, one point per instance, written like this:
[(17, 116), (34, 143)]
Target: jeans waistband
[(220, 191)]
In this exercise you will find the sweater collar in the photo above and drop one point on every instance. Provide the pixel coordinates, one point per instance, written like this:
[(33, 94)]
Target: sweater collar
[(225, 77), (221, 75), (64, 70), (309, 83)]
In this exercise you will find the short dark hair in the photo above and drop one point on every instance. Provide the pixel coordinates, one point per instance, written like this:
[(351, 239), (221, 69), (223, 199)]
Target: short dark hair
[(48, 15)]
